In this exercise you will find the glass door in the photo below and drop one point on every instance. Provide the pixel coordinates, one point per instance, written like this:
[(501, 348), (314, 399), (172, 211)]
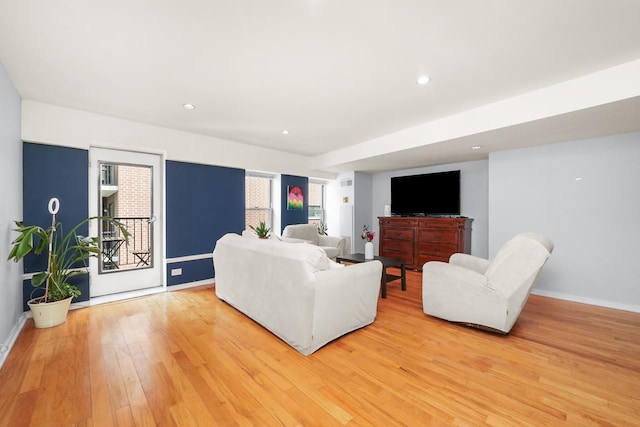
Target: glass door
[(126, 186)]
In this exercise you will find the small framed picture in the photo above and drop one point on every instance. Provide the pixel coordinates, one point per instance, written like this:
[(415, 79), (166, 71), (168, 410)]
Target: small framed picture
[(295, 198)]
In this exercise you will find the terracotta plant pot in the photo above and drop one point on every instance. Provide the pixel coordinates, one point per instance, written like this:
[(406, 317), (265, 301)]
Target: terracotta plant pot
[(46, 315)]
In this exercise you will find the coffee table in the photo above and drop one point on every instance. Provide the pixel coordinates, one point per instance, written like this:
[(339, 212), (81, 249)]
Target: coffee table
[(386, 262)]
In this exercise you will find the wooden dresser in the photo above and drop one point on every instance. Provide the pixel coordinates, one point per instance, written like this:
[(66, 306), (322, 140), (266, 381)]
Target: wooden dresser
[(417, 240)]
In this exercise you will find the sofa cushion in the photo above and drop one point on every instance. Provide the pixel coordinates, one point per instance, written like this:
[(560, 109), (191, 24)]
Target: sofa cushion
[(331, 251), (313, 257), (302, 231)]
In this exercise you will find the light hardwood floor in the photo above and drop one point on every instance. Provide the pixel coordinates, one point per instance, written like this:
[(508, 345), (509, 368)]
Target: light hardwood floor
[(186, 358)]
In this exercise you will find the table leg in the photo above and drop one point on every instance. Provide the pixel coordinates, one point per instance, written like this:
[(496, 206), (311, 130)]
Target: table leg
[(383, 282), (403, 277)]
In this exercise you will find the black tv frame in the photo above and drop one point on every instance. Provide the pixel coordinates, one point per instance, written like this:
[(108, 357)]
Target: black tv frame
[(431, 194)]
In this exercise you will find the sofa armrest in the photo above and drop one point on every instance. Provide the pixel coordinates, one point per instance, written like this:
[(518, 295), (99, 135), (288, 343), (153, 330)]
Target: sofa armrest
[(346, 299), (333, 241), (477, 264)]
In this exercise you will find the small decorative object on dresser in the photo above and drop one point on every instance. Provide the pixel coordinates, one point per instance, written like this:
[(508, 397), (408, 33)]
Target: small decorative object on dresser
[(368, 246)]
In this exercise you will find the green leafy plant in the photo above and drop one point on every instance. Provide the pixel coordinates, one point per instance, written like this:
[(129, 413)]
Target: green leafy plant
[(322, 228), (67, 254), (261, 230)]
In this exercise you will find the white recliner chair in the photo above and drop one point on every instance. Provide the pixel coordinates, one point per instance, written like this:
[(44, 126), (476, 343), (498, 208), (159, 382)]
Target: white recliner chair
[(482, 293), (332, 245)]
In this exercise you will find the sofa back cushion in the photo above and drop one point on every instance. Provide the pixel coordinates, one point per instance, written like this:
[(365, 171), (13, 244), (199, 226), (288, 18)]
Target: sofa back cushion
[(308, 232), (262, 251)]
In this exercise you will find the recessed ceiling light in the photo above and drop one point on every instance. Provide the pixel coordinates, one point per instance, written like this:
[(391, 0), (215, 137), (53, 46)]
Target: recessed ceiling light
[(189, 107), (423, 80), (285, 132), (476, 147)]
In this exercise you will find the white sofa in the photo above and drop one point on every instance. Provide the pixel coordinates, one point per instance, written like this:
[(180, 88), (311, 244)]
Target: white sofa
[(483, 293), (295, 290), (332, 245)]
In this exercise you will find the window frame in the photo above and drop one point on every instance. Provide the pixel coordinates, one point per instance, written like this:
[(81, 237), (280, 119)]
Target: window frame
[(269, 210), (323, 206)]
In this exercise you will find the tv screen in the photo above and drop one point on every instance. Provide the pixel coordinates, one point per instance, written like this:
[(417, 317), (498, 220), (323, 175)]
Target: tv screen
[(427, 194)]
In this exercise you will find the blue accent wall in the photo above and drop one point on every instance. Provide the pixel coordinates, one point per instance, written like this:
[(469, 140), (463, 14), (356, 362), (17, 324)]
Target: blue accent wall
[(53, 171), (203, 204), (192, 271), (294, 216)]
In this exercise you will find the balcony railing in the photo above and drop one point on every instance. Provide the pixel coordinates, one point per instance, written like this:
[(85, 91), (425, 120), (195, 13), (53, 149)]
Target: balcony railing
[(118, 254)]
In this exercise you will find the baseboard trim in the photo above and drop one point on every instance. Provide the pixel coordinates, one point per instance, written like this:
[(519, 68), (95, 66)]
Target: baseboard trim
[(190, 285), (5, 348), (189, 258), (585, 300), (123, 296)]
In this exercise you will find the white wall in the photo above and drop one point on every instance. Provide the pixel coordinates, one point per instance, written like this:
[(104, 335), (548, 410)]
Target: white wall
[(363, 205), (474, 198), (593, 221), (50, 124), (340, 196), (11, 318)]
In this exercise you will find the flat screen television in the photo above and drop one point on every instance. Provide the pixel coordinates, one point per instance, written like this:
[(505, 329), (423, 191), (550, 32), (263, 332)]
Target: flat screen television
[(432, 194)]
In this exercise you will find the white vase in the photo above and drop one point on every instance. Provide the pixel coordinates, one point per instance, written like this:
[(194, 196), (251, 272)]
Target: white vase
[(368, 250)]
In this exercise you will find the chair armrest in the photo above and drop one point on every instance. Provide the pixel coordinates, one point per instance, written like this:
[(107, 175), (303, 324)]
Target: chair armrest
[(442, 275), (471, 262), (460, 294), (294, 240), (333, 241)]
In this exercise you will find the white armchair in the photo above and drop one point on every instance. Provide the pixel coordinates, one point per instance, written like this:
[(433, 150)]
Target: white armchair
[(332, 245), (483, 293)]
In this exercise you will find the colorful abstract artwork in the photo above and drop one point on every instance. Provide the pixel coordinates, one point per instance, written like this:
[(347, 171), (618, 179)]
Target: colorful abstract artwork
[(295, 198)]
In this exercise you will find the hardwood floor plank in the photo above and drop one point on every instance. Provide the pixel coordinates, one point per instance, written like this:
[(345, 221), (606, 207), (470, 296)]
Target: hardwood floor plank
[(124, 417), (187, 358), (19, 414)]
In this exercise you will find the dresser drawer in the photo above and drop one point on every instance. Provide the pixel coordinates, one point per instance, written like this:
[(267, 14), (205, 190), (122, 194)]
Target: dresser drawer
[(448, 223), (397, 233), (397, 222), (438, 236), (406, 256), (437, 250), (397, 245)]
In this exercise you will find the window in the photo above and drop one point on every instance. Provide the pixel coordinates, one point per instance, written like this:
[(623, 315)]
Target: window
[(258, 201), (108, 174), (316, 202)]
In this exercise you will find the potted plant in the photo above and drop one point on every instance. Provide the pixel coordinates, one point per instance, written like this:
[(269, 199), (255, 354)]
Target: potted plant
[(322, 229), (67, 255), (261, 230)]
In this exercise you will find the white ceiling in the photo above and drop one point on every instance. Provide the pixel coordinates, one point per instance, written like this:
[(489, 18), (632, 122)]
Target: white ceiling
[(339, 75)]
